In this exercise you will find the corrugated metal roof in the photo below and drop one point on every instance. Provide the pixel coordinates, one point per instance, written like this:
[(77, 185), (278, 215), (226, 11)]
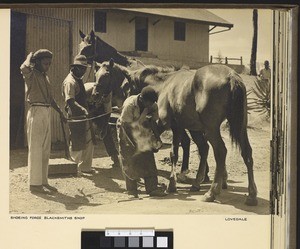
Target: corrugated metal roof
[(198, 15)]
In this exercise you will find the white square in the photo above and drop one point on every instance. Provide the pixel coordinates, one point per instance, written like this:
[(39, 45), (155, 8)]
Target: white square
[(162, 242)]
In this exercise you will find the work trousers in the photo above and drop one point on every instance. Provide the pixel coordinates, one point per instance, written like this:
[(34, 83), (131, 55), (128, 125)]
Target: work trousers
[(150, 184), (84, 157), (39, 144)]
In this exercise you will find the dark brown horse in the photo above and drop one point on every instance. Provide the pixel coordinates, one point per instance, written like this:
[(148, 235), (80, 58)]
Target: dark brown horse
[(95, 49), (200, 101)]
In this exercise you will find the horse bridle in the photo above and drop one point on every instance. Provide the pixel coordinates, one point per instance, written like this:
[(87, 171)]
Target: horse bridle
[(104, 95)]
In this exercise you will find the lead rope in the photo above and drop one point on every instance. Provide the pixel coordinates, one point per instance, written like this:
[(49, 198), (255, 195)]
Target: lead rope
[(84, 118)]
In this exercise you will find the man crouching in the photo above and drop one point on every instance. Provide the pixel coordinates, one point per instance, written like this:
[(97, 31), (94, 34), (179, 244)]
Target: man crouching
[(138, 138)]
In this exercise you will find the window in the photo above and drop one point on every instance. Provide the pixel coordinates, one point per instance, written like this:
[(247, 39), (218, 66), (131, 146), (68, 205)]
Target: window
[(100, 21), (179, 31)]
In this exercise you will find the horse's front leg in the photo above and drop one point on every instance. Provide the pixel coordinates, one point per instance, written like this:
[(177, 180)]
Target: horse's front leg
[(174, 159)]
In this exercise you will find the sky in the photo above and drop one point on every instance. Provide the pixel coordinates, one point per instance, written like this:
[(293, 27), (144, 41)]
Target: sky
[(238, 41)]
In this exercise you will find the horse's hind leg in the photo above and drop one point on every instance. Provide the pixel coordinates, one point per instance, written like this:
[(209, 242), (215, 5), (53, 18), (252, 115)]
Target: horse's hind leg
[(174, 158), (185, 144), (247, 156), (203, 148), (220, 152)]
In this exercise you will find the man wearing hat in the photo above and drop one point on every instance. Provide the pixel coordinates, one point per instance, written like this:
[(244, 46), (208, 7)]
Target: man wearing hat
[(39, 95), (81, 132)]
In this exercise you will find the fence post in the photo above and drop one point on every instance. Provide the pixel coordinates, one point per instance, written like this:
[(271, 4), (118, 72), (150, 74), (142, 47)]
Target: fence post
[(211, 59), (241, 60), (226, 60)]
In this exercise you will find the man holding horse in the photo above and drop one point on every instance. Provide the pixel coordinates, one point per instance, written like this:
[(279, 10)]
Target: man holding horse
[(81, 131), (39, 95), (139, 110)]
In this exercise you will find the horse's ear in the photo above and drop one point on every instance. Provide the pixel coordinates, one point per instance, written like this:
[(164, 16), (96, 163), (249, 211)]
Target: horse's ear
[(125, 85), (111, 62), (82, 35)]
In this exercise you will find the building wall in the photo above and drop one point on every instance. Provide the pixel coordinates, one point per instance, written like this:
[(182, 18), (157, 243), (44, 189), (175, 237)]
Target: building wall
[(194, 48), (121, 35)]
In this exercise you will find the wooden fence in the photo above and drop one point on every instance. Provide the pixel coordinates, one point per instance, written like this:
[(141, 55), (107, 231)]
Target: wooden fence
[(226, 59)]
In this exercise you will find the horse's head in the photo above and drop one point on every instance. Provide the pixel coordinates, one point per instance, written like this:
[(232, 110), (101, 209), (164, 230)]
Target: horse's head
[(88, 46), (110, 78), (95, 49), (144, 137)]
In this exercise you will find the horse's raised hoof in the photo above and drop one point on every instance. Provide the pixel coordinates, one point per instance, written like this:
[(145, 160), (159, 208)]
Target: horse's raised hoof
[(194, 188), (224, 185), (172, 186), (209, 197), (251, 201)]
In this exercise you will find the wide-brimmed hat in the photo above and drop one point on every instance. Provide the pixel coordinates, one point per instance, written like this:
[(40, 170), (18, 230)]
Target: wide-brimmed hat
[(42, 53), (80, 60)]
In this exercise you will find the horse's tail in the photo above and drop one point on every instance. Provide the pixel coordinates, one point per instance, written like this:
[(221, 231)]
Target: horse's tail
[(237, 111)]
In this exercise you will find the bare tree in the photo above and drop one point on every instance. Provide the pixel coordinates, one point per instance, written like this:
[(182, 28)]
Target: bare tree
[(254, 44)]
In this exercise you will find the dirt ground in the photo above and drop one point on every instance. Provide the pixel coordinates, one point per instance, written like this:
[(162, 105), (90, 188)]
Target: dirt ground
[(104, 191)]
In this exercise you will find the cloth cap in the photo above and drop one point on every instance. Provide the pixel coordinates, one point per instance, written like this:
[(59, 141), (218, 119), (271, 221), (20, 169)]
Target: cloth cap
[(80, 60), (42, 53), (148, 93)]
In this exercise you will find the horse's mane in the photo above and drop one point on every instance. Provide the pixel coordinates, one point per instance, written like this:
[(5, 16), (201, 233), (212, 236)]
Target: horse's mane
[(139, 77), (98, 39), (117, 55)]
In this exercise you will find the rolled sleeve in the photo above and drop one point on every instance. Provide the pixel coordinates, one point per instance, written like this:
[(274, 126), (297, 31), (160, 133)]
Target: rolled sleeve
[(69, 90), (127, 114), (26, 70)]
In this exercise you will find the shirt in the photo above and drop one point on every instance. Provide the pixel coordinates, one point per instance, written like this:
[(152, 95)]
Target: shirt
[(131, 110), (70, 87), (38, 88), (265, 74)]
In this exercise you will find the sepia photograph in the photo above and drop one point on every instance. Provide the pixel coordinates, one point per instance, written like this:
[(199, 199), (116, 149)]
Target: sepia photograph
[(134, 110), (167, 113)]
